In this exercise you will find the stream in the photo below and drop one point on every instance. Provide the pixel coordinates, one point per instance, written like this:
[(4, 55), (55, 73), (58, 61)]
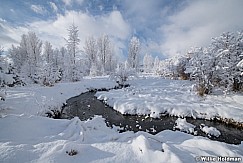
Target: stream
[(86, 105)]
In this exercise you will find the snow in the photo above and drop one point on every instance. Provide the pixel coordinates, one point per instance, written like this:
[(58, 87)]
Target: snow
[(184, 126), (240, 64), (156, 96), (28, 137), (35, 100), (40, 139), (210, 131), (7, 78), (2, 95)]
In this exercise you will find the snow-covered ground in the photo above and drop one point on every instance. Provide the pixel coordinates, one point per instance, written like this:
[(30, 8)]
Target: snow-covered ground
[(35, 99), (184, 126), (154, 96), (25, 136), (210, 131)]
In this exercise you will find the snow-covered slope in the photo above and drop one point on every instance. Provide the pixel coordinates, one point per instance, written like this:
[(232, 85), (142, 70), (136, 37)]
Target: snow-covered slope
[(154, 96)]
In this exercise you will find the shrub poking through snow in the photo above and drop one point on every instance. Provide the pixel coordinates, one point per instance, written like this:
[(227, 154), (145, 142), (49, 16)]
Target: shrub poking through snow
[(72, 152), (201, 90)]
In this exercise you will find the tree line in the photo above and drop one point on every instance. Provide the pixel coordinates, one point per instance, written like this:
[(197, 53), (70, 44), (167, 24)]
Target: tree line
[(219, 65), (36, 62)]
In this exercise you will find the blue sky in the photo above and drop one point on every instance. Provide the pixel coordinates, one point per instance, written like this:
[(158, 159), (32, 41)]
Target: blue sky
[(164, 27)]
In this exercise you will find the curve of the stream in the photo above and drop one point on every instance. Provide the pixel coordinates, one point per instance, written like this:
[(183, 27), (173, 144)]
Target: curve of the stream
[(86, 105)]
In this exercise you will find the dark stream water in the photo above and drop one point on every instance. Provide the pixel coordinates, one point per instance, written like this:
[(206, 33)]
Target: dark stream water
[(85, 106)]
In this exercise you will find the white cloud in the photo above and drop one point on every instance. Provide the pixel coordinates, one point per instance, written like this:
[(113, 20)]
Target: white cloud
[(10, 35), (79, 1), (53, 6), (55, 31), (2, 20), (38, 9), (12, 10), (67, 2), (70, 2), (198, 22)]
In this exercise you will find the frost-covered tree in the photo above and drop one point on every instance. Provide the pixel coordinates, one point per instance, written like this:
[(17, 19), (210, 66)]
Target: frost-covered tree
[(20, 54), (227, 50), (90, 50), (73, 71), (156, 65), (63, 63), (166, 68), (77, 71), (66, 69), (133, 53), (94, 71), (34, 60), (148, 63), (51, 67), (111, 61), (7, 77), (218, 65), (181, 67), (48, 52), (201, 68), (99, 55), (104, 52), (27, 57), (73, 42), (122, 73)]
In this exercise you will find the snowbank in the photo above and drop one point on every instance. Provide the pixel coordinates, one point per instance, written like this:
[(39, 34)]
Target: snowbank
[(184, 126), (210, 131), (155, 96), (26, 138)]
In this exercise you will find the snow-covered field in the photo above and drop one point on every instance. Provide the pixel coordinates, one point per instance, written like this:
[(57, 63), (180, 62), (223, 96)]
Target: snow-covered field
[(26, 136), (155, 96), (35, 100)]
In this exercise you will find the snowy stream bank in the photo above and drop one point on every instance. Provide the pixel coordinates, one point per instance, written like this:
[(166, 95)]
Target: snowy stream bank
[(86, 106)]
